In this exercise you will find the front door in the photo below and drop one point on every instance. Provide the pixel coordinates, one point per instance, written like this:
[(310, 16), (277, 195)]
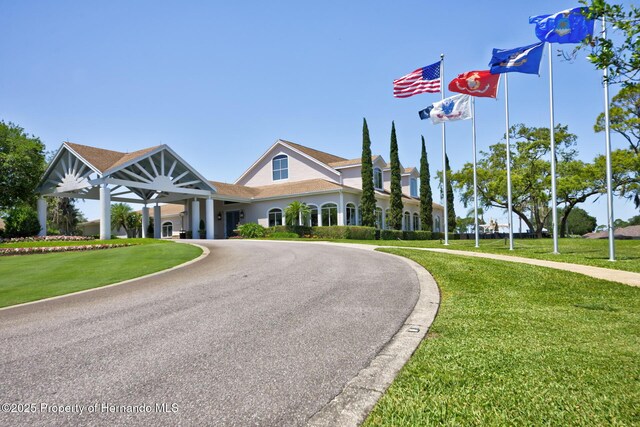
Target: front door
[(232, 220)]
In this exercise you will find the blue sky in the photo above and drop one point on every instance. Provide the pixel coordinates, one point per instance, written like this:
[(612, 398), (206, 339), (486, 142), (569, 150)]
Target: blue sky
[(221, 81)]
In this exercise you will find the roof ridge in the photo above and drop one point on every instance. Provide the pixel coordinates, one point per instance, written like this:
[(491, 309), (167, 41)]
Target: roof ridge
[(314, 153)]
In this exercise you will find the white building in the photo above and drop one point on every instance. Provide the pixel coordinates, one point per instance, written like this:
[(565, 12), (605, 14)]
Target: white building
[(330, 185)]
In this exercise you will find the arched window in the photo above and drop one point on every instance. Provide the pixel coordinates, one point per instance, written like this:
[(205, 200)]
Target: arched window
[(167, 229), (275, 217), (379, 219), (416, 222), (313, 218), (413, 187), (407, 221), (280, 165), (437, 227), (377, 178), (329, 214), (351, 214)]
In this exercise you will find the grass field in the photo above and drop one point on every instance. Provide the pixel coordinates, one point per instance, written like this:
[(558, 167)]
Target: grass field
[(26, 278), (578, 251), (519, 345)]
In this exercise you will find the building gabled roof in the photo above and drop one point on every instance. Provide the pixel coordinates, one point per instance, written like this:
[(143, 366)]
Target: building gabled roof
[(351, 162), (297, 187), (317, 185), (321, 156), (234, 190), (104, 160), (409, 170)]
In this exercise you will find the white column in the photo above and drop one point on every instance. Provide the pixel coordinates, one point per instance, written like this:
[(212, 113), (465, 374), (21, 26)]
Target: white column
[(341, 213), (105, 212), (195, 218), (157, 222), (209, 218), (145, 221), (42, 216)]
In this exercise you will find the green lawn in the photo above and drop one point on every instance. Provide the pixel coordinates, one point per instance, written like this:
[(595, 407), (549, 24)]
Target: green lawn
[(32, 277), (578, 251), (519, 345)]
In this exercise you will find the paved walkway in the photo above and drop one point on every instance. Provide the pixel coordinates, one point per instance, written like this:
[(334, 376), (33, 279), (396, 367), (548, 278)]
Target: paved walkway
[(624, 277)]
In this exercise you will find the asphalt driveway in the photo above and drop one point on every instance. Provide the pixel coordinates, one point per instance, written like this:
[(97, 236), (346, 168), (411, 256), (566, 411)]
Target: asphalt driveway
[(257, 333)]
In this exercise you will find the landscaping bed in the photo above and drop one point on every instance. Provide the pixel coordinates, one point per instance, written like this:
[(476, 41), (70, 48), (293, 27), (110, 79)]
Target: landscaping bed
[(51, 249)]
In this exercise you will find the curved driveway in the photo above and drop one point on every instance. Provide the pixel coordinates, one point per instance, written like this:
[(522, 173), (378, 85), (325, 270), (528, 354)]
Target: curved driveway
[(257, 333)]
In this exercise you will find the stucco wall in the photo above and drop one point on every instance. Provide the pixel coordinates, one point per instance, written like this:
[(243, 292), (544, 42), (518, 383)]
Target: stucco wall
[(352, 177), (300, 169)]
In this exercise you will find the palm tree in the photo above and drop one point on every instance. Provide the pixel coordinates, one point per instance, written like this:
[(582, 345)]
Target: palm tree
[(297, 213), (63, 214), (134, 224), (120, 216)]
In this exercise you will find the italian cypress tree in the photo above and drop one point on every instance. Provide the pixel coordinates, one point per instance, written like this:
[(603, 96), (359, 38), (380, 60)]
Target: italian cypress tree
[(395, 213), (368, 199), (426, 197), (451, 213)]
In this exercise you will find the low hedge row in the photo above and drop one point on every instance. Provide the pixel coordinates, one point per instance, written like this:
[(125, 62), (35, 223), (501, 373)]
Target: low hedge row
[(353, 232)]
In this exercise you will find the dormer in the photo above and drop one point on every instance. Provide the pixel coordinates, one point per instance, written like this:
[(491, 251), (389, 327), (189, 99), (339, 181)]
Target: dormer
[(410, 177), (286, 161)]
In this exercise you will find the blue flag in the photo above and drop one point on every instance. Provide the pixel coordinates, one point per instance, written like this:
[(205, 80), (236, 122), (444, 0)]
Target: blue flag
[(424, 114), (568, 26), (524, 59)]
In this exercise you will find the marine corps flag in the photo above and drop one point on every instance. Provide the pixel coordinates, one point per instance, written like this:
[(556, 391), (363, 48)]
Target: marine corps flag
[(476, 83)]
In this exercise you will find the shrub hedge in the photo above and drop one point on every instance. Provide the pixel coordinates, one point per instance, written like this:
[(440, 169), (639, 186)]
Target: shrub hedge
[(391, 234), (354, 233), (284, 235)]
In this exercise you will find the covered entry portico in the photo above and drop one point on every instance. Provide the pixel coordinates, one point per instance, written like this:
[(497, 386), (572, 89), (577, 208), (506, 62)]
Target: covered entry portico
[(148, 177)]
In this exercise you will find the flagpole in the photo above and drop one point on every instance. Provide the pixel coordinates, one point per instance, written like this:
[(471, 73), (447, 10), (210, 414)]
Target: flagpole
[(509, 205), (444, 157), (554, 207), (607, 138), (475, 176)]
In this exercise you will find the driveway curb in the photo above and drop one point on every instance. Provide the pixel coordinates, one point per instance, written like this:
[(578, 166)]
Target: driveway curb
[(359, 396), (205, 253)]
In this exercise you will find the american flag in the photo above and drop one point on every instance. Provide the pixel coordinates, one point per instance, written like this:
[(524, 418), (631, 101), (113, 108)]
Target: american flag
[(425, 79)]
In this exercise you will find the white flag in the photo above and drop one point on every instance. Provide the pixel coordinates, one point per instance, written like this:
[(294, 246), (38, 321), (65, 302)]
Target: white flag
[(457, 107)]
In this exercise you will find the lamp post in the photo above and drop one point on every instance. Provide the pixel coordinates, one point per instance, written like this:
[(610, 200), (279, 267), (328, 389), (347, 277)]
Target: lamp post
[(183, 234)]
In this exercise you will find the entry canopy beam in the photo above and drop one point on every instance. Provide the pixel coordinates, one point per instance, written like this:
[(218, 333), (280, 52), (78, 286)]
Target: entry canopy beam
[(153, 174)]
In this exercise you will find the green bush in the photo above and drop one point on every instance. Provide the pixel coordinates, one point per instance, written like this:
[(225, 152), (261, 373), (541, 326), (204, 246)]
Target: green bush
[(330, 232), (300, 230), (409, 235), (361, 233), (325, 232), (423, 235), (391, 234), (251, 230), (437, 235), (284, 235), (22, 221)]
